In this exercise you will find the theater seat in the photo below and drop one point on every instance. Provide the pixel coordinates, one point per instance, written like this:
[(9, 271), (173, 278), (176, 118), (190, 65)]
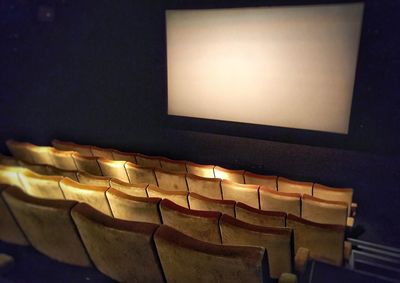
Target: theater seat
[(148, 161), (247, 194), (178, 197), (125, 156), (105, 153), (8, 160), (171, 181), (228, 174), (87, 164), (84, 150), (53, 171), (202, 225), (20, 150), (206, 171), (63, 159), (199, 202), (208, 187), (113, 169), (122, 250), (178, 166), (48, 226), (261, 180), (9, 175), (138, 174), (41, 186), (260, 217), (41, 154), (185, 259), (290, 186), (277, 201), (335, 194), (93, 195), (127, 207), (93, 180), (137, 190)]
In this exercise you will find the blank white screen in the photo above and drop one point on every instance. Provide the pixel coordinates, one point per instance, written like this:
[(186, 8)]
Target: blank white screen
[(281, 66)]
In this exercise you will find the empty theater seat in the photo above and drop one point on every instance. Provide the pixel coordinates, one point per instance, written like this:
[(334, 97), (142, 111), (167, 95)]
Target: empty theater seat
[(102, 152), (122, 250), (247, 194), (185, 259), (93, 195), (262, 180), (148, 161), (173, 165), (178, 197), (84, 150), (41, 154), (60, 172), (277, 241), (41, 186), (335, 194), (324, 241), (230, 175), (113, 168), (87, 164), (9, 175), (40, 169), (127, 207), (48, 226), (63, 159), (89, 179), (138, 174), (199, 202), (171, 181), (206, 171), (277, 201), (126, 156), (202, 225), (260, 217), (208, 187), (137, 190), (290, 186), (20, 150)]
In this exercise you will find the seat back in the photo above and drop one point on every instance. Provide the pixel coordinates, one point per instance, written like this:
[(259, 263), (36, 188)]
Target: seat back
[(325, 241), (64, 173), (202, 225), (323, 211), (84, 150), (123, 250), (178, 166), (208, 187), (148, 161), (105, 153), (127, 207), (206, 171), (247, 194), (138, 174), (261, 180), (113, 168), (178, 197), (171, 181), (20, 150), (63, 159), (199, 202), (185, 259), (42, 186), (93, 180), (9, 175), (137, 190), (277, 242), (228, 174), (290, 186), (48, 226), (87, 164), (260, 217), (125, 156), (41, 155), (278, 201), (334, 194), (93, 195)]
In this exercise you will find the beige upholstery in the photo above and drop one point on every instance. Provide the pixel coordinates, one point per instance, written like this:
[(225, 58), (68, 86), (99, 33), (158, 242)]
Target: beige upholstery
[(137, 190), (123, 206), (290, 186), (89, 179), (87, 164), (139, 174), (173, 165), (10, 231), (126, 156), (60, 172), (206, 171), (247, 194), (202, 225), (334, 194), (122, 250), (8, 160), (185, 259), (113, 168), (208, 187), (84, 150), (42, 186), (262, 180), (93, 195), (324, 241), (48, 226), (36, 168), (277, 241), (323, 211), (178, 197), (230, 175), (148, 161), (20, 150), (199, 202), (105, 153), (171, 181), (41, 154), (260, 217), (63, 159), (277, 201), (9, 175)]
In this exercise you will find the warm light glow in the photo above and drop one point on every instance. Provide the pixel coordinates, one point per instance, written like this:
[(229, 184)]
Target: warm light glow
[(282, 66)]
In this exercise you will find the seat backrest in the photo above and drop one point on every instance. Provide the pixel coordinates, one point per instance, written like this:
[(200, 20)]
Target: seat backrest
[(9, 175), (277, 201), (173, 165), (206, 171), (87, 164), (139, 175), (84, 150), (127, 207), (137, 190), (41, 155), (178, 197), (148, 161), (63, 159), (105, 153), (41, 186), (199, 202), (60, 172), (323, 211), (113, 169), (260, 217), (125, 156), (325, 241), (48, 226), (208, 187), (123, 250), (199, 224), (290, 186), (185, 259), (247, 194), (277, 242), (89, 179), (334, 194), (20, 150), (228, 174), (93, 195), (171, 181), (261, 180)]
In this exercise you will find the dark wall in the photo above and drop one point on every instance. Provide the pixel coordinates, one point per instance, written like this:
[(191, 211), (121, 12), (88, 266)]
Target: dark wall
[(97, 75)]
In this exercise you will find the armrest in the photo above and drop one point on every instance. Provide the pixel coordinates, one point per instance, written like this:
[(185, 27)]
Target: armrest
[(347, 248), (287, 278), (350, 222), (301, 259), (353, 209)]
